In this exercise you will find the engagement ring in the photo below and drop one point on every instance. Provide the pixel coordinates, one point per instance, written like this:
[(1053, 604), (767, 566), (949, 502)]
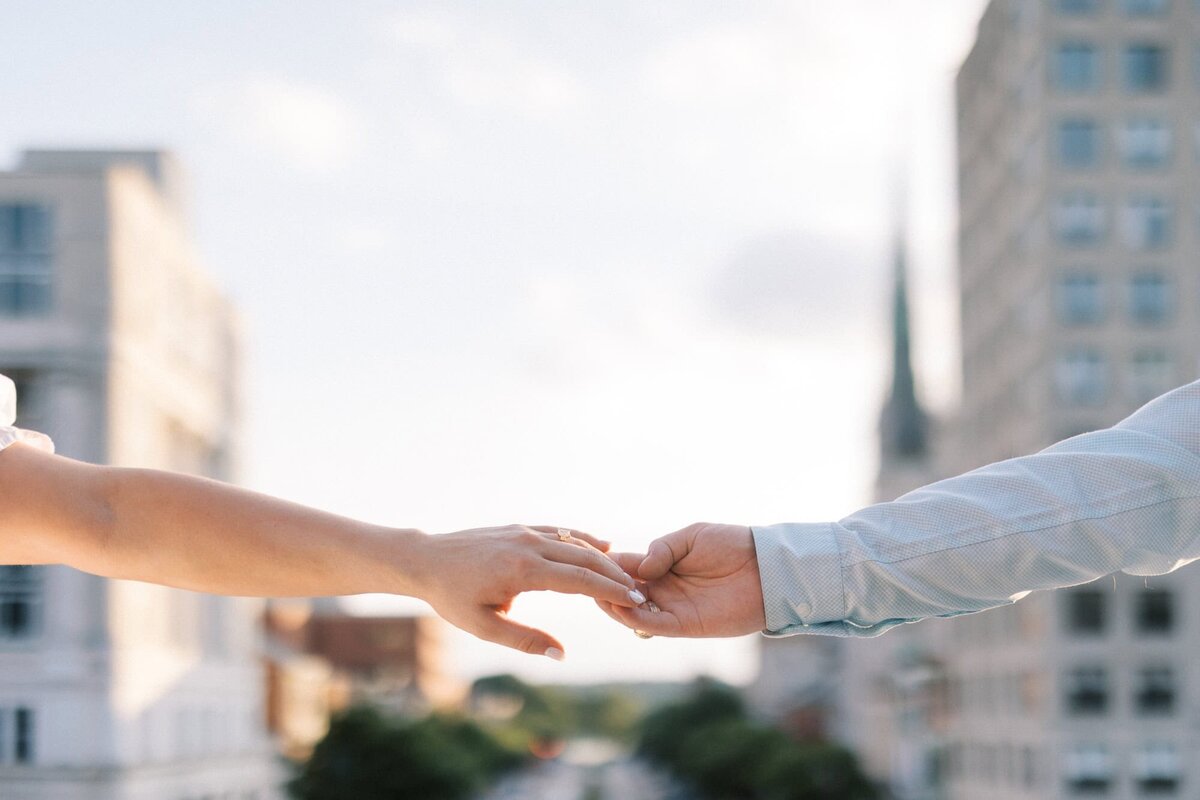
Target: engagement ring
[(564, 534)]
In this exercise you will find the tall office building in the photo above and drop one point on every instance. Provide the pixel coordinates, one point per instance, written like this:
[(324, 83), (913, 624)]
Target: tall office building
[(125, 353), (1080, 298)]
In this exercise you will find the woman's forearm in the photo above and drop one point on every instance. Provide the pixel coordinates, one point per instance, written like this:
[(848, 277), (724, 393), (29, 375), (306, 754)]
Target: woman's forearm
[(198, 534), (194, 533)]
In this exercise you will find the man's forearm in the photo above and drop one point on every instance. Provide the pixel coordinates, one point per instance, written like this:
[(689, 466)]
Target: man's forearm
[(1122, 499)]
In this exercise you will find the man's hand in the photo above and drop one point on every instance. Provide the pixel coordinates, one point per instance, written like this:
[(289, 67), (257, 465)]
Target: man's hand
[(704, 580)]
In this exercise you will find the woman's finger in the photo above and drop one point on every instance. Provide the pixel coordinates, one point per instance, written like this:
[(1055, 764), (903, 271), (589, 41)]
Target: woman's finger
[(587, 538), (567, 553), (493, 626), (573, 579)]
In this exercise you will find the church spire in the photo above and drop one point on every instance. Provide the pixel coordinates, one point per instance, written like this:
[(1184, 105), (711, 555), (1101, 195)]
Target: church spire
[(903, 425)]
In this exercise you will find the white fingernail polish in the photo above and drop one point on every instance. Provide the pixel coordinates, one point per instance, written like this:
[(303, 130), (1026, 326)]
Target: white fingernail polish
[(637, 596), (555, 653)]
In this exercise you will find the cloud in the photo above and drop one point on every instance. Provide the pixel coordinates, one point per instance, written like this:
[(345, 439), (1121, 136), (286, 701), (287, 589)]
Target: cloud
[(302, 125), (483, 68), (793, 285)]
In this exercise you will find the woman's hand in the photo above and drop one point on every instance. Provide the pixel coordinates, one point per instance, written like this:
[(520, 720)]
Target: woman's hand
[(472, 577)]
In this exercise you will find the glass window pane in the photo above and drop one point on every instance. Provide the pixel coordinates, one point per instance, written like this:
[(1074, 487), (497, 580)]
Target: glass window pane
[(1086, 690), (1082, 377), (1155, 612), (1080, 299), (1145, 7), (1146, 223), (1078, 143), (1154, 693), (1086, 611), (1076, 67), (25, 258), (20, 602), (1151, 373), (1079, 219), (1150, 298), (1145, 67), (1144, 142)]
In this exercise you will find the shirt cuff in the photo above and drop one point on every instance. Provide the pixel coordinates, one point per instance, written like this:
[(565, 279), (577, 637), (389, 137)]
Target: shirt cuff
[(800, 567), (10, 436)]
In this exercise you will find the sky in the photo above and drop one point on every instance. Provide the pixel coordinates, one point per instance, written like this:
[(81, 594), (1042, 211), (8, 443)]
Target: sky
[(612, 264)]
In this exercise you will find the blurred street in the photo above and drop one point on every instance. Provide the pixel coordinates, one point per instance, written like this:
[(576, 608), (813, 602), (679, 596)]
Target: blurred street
[(625, 779)]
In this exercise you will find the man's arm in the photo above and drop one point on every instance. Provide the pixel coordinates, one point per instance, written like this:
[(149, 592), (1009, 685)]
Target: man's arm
[(1126, 498)]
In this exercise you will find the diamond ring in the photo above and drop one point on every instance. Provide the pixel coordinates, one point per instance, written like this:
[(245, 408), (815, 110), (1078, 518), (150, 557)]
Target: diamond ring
[(564, 534)]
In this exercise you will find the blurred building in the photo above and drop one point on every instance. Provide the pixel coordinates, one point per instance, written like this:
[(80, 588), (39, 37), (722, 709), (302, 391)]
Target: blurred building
[(890, 707), (126, 354), (1079, 152), (321, 660)]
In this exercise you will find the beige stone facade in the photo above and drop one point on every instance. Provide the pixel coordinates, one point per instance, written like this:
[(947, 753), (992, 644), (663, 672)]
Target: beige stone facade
[(125, 353)]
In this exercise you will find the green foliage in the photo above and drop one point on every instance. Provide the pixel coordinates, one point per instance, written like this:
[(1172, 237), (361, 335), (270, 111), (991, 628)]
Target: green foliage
[(610, 714), (369, 756), (707, 741)]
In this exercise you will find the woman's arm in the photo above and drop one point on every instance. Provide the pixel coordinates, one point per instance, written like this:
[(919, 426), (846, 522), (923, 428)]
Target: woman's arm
[(202, 535)]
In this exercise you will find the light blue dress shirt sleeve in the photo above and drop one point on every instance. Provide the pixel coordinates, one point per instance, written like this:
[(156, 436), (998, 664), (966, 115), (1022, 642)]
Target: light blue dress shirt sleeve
[(1126, 498)]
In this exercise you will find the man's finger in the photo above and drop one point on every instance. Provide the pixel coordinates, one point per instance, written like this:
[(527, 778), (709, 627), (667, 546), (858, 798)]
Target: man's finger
[(663, 554), (494, 626), (628, 561), (655, 623)]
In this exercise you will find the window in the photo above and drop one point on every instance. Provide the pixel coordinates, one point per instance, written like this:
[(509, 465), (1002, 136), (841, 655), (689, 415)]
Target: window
[(1155, 612), (24, 259), (1080, 300), (23, 736), (1076, 67), (1086, 611), (1144, 142), (1155, 691), (20, 602), (1151, 373), (1082, 377), (1077, 6), (1145, 8), (1078, 143), (1146, 223), (1156, 769), (1088, 769), (1149, 298), (1079, 219), (1145, 67), (16, 735), (1086, 690)]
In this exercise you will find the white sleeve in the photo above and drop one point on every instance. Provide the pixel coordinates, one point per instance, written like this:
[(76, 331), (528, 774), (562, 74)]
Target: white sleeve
[(8, 415)]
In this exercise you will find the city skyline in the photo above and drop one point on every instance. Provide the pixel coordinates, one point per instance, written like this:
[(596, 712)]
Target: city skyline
[(542, 265)]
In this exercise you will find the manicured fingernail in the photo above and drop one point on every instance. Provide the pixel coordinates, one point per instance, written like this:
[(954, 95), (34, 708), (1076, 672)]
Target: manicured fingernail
[(637, 596), (555, 653)]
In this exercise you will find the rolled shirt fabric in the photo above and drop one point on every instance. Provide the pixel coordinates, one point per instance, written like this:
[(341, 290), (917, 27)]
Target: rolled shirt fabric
[(1122, 499), (8, 416)]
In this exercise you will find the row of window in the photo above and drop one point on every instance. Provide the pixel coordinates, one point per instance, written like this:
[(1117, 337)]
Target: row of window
[(16, 735), (1088, 612), (20, 602), (25, 258), (1146, 222), (1133, 8), (1089, 769), (1083, 376), (1143, 142), (1079, 67), (1081, 298), (1086, 691)]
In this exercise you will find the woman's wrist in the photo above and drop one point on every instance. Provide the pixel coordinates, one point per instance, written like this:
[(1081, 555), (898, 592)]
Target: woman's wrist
[(404, 562)]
